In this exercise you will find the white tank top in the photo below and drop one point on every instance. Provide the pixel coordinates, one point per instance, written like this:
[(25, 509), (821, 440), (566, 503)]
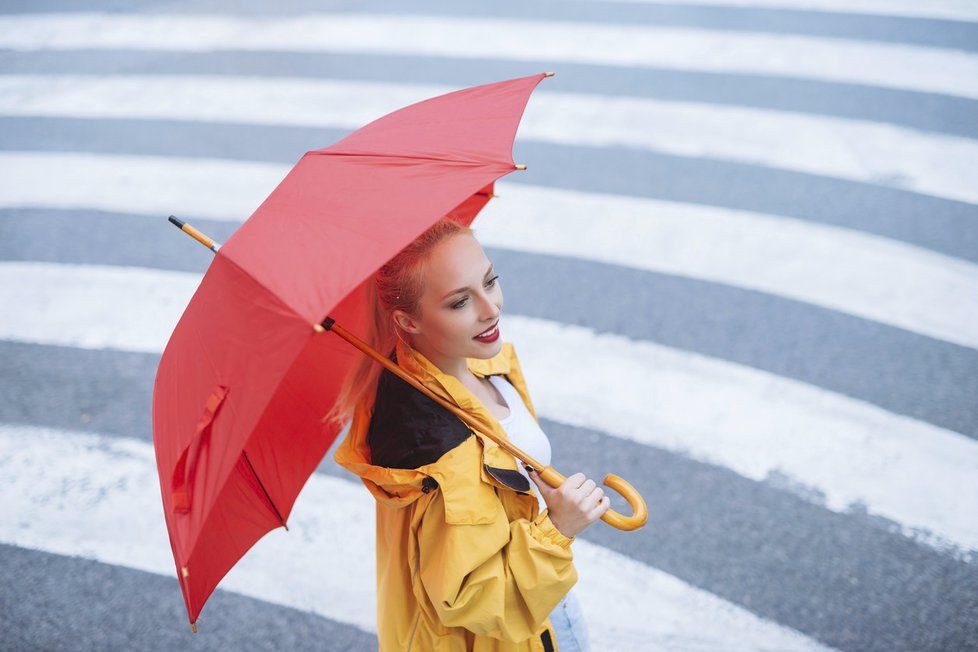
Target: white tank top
[(523, 431)]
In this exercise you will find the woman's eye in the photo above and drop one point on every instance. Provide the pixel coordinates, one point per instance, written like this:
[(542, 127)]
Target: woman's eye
[(461, 302)]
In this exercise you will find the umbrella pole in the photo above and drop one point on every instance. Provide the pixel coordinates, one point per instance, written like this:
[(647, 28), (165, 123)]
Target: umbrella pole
[(550, 475)]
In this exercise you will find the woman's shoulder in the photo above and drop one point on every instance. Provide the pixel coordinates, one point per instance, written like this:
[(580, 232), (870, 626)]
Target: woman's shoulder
[(407, 428)]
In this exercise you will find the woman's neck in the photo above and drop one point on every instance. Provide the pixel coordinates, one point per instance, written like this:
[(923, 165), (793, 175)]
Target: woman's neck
[(455, 366)]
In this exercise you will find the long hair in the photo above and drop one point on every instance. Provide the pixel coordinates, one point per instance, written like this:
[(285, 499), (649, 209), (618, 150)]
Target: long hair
[(398, 285)]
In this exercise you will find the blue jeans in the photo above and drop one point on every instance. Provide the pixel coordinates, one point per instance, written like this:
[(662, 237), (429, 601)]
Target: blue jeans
[(569, 626)]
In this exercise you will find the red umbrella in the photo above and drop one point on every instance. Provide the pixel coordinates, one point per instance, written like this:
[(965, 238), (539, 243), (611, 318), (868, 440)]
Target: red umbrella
[(251, 367)]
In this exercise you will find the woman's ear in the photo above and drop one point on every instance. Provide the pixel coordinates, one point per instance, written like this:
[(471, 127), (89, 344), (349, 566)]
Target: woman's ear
[(404, 321)]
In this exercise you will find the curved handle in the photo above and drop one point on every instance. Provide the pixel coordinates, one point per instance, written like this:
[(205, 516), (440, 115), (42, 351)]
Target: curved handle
[(640, 513)]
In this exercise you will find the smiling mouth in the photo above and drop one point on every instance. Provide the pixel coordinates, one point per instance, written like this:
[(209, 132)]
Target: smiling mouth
[(488, 330)]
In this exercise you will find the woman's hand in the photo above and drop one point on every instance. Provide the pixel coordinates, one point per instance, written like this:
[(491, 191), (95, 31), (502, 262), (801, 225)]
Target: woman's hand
[(575, 504)]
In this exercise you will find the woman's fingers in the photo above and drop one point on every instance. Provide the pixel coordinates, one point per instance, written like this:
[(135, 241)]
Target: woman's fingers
[(575, 504), (545, 489), (585, 489), (573, 483), (592, 499), (603, 505)]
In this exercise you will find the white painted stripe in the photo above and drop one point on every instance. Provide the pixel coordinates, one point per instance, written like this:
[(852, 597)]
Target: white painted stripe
[(72, 488), (155, 186), (854, 150), (964, 10), (839, 269), (756, 423), (830, 59), (105, 299)]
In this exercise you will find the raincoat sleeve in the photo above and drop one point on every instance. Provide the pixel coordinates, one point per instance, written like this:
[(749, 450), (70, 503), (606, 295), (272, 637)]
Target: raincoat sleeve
[(494, 577)]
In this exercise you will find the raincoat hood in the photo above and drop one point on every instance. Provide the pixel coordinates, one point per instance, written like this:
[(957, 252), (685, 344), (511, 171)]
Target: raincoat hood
[(406, 414)]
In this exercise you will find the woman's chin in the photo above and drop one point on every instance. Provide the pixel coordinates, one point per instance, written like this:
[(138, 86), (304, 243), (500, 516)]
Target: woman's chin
[(486, 350)]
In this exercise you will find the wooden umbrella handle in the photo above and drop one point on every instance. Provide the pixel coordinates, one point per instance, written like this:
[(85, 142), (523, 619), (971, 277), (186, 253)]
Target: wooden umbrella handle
[(640, 512)]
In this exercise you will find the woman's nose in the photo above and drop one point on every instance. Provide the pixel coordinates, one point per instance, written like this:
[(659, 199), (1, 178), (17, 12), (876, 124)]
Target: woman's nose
[(491, 310)]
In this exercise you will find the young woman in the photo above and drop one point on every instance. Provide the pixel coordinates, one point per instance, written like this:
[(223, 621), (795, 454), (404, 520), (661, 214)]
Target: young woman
[(466, 557)]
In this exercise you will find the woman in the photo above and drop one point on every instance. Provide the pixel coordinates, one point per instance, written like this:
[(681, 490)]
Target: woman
[(466, 559)]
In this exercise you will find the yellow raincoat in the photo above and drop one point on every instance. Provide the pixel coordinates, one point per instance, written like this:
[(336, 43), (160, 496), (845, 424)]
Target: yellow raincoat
[(466, 560)]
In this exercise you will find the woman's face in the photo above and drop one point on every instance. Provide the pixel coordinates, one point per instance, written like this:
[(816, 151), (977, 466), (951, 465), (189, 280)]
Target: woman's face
[(462, 298)]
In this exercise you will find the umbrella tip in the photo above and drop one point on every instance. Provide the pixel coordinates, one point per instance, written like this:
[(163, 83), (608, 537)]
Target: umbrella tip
[(520, 166), (193, 627), (549, 74)]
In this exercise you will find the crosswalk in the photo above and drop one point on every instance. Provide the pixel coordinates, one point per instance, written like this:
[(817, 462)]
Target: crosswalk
[(771, 297)]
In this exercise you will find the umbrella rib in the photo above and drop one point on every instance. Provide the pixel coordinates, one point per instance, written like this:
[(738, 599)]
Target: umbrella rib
[(265, 491), (322, 152)]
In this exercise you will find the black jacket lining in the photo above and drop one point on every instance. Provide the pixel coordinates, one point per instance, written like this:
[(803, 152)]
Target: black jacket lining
[(408, 429), (548, 645), (510, 478)]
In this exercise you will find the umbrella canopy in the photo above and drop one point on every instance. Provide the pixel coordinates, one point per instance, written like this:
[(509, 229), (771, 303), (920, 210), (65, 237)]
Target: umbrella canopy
[(245, 377)]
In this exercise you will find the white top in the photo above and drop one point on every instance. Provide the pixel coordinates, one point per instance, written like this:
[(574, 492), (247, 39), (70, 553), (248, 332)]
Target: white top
[(523, 431)]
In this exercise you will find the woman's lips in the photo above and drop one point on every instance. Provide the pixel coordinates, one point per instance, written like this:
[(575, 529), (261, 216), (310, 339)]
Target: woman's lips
[(493, 333)]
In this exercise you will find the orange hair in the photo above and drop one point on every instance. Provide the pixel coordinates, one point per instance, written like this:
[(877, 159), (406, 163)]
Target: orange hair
[(398, 285)]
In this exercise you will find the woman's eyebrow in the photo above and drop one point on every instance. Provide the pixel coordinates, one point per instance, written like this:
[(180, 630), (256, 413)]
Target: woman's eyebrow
[(488, 272)]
